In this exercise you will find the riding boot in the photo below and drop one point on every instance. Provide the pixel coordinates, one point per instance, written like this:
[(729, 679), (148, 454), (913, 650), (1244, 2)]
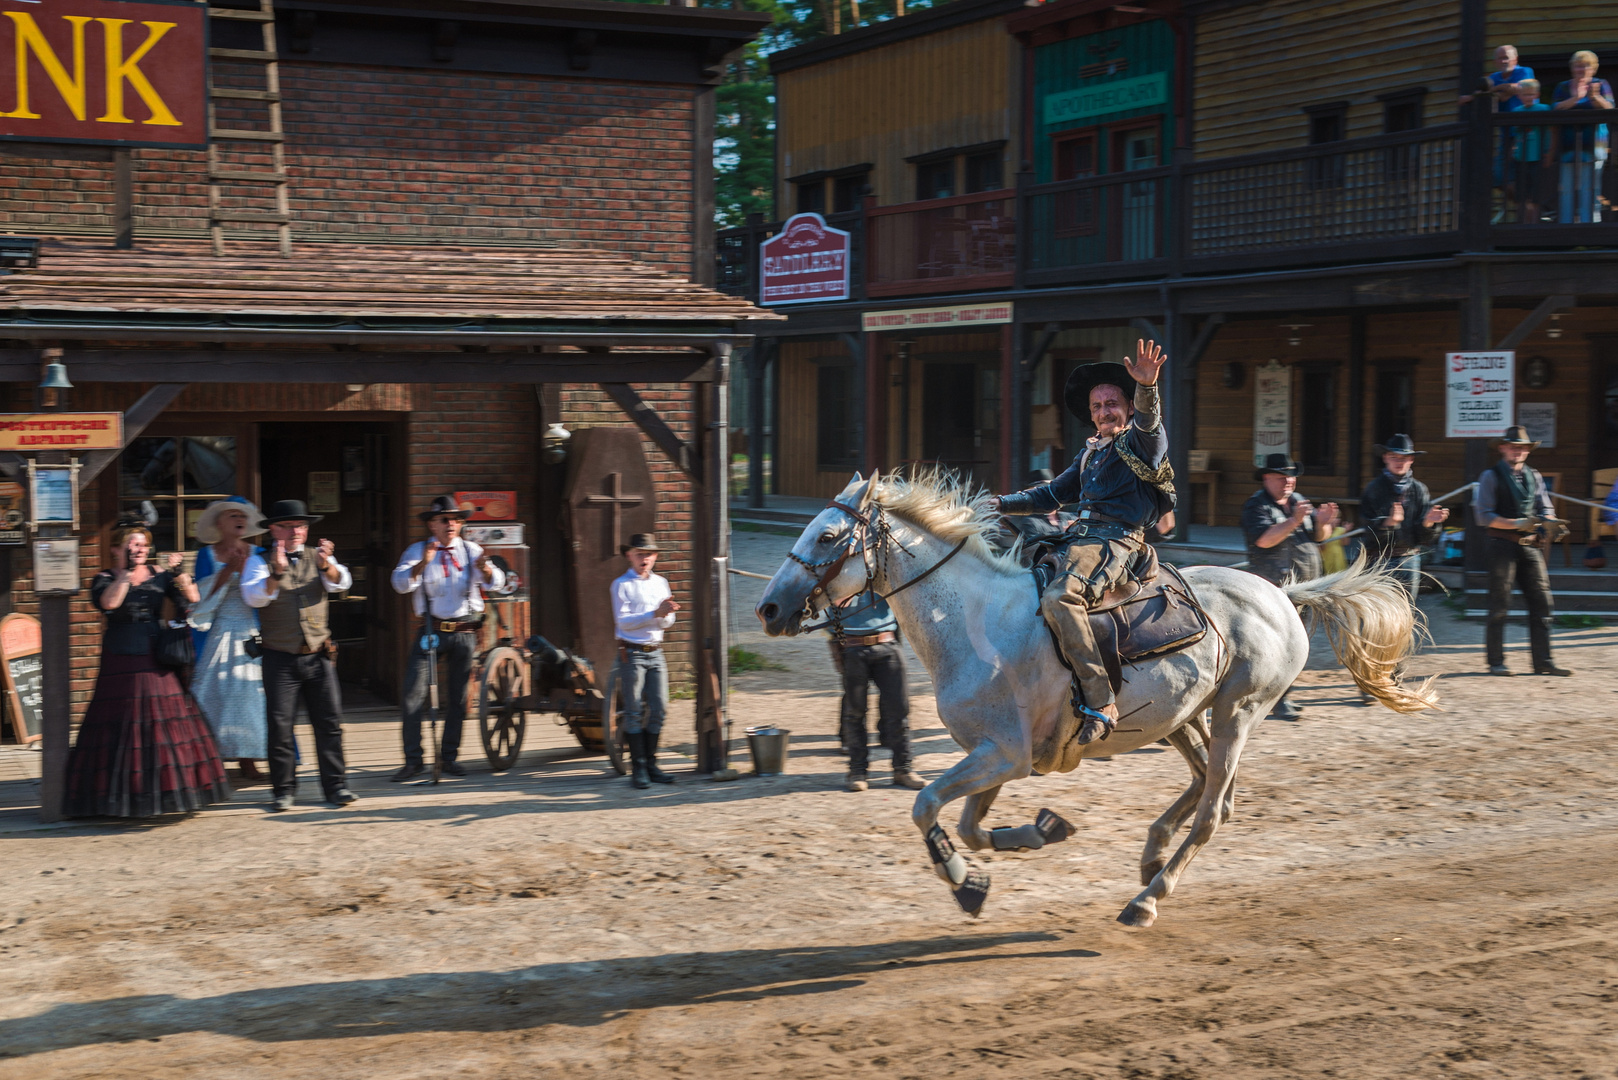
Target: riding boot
[(653, 773), (637, 758)]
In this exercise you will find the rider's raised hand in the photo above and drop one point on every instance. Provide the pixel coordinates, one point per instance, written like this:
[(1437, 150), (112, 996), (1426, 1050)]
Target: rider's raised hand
[(1148, 361)]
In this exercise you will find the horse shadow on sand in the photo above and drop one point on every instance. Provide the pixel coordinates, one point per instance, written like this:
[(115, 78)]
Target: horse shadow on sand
[(575, 994)]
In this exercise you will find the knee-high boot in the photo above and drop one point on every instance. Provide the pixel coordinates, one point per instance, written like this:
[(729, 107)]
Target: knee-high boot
[(653, 773), (637, 758)]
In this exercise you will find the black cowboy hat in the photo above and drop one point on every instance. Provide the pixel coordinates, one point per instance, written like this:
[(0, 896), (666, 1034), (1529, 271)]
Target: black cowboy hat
[(289, 510), (1276, 463), (1400, 444), (1086, 377), (446, 505), (1516, 435), (639, 542)]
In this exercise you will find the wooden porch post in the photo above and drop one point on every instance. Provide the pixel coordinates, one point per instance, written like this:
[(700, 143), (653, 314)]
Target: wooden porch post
[(710, 562), (1476, 336), (758, 363)]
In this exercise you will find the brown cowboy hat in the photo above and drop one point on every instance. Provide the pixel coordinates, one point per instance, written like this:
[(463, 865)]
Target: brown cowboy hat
[(1516, 435)]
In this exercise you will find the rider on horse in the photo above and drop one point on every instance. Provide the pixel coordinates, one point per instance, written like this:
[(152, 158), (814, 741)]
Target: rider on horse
[(1119, 485)]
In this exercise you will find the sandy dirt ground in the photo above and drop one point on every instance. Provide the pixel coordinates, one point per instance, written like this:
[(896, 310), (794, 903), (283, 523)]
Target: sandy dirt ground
[(1396, 897)]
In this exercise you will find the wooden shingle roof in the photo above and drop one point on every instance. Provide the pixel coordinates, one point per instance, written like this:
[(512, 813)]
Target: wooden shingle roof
[(177, 278)]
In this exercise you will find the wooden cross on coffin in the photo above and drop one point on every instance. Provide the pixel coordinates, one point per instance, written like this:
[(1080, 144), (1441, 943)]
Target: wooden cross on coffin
[(610, 497)]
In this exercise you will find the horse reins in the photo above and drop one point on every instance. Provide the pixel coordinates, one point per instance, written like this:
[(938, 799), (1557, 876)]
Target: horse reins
[(861, 534)]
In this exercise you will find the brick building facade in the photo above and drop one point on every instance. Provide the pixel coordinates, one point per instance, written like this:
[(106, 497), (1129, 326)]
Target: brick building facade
[(571, 142)]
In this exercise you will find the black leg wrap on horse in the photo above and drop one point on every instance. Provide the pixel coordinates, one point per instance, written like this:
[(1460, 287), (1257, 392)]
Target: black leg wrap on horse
[(973, 892), (1053, 826), (1016, 838)]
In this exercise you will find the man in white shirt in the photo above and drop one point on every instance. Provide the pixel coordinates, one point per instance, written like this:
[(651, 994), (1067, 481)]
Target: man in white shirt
[(289, 585), (444, 576), (642, 608)]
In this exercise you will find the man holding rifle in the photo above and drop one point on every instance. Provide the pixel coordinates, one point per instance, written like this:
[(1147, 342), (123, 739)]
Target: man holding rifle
[(444, 576), (1513, 504)]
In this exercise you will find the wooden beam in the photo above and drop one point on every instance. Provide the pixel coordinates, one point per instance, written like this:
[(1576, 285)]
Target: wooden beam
[(1151, 330), (1204, 338), (136, 419), (309, 366), (1532, 320), (678, 450)]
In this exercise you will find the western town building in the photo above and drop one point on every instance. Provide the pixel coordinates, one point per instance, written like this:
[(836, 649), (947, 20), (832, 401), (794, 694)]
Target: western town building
[(426, 241), (1286, 193)]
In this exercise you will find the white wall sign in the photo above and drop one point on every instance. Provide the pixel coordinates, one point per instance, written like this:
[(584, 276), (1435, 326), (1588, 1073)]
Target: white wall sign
[(56, 566), (1478, 394), (1272, 411), (959, 315), (1539, 417)]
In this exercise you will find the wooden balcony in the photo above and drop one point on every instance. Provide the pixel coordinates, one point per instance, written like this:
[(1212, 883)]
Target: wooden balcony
[(1497, 181), (962, 244)]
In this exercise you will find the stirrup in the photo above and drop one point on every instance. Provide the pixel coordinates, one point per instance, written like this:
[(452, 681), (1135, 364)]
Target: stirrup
[(1088, 716)]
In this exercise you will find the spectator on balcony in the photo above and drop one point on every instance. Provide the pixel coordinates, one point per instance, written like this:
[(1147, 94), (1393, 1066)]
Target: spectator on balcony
[(1530, 148), (1584, 146), (1504, 83)]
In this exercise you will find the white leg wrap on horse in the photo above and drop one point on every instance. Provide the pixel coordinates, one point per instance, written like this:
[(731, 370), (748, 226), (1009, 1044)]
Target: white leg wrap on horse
[(1017, 838), (947, 862)]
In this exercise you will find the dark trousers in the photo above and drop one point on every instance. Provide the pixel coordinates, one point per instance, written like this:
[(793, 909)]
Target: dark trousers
[(457, 652), (287, 676), (1508, 559), (883, 665)]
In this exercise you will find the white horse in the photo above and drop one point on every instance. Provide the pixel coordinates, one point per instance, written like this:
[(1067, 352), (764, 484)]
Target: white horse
[(1003, 694)]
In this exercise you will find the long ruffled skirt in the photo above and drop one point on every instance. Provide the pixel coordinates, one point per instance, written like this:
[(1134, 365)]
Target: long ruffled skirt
[(144, 748)]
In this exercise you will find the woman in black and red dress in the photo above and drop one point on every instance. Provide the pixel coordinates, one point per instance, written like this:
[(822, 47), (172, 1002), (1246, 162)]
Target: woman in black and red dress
[(144, 748)]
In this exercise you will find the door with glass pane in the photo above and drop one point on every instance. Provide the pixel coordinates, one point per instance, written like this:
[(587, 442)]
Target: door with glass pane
[(1136, 149), (177, 475)]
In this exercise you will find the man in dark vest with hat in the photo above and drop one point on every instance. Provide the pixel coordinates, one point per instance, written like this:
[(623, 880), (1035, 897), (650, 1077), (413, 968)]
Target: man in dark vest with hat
[(444, 576), (1513, 504), (1119, 485), (289, 584), (643, 607), (1399, 514), (1284, 531)]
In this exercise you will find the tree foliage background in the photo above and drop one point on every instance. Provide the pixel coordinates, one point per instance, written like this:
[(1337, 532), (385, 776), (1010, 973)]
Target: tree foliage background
[(744, 136)]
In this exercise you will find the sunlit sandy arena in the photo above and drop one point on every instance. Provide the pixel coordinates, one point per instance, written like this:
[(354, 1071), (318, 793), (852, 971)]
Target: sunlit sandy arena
[(1416, 896)]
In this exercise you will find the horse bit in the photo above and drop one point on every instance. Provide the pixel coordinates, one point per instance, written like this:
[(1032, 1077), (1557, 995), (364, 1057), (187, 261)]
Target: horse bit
[(869, 531)]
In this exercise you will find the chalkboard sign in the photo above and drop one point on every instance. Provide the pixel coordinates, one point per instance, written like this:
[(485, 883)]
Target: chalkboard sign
[(22, 671)]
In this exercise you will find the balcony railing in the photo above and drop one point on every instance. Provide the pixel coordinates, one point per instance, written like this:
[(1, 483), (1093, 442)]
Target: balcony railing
[(1496, 180), (959, 244), (1361, 198), (1553, 182), (1101, 226)]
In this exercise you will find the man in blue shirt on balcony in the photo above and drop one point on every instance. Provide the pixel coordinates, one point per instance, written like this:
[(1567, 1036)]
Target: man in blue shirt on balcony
[(1120, 484)]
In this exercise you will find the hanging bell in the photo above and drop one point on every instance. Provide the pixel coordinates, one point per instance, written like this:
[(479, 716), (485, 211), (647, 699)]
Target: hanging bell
[(55, 377)]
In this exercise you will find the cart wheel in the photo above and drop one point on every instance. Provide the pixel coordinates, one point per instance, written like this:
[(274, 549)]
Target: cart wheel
[(612, 735), (501, 720)]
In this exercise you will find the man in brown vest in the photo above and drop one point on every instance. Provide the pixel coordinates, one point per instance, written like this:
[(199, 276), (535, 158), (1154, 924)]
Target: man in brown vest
[(288, 585)]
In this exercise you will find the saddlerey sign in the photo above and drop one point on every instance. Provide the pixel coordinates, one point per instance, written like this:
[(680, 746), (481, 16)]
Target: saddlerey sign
[(113, 72), (808, 261)]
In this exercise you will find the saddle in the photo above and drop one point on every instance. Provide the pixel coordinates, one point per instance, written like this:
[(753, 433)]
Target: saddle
[(1152, 612)]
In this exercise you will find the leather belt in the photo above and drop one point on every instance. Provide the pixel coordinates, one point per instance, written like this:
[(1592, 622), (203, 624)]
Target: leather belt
[(635, 646), (1104, 530), (871, 639), (446, 626)]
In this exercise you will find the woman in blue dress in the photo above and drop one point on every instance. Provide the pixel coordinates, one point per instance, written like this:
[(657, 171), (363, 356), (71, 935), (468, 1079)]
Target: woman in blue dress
[(228, 683)]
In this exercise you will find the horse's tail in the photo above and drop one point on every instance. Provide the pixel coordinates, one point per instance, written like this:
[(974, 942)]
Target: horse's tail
[(1372, 627)]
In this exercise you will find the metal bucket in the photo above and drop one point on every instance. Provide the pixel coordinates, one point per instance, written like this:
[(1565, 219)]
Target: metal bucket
[(769, 748)]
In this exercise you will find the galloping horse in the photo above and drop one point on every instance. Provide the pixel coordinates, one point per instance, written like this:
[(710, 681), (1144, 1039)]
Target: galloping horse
[(1003, 693)]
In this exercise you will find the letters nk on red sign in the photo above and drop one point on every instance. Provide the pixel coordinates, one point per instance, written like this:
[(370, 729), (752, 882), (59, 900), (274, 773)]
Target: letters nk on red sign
[(105, 71)]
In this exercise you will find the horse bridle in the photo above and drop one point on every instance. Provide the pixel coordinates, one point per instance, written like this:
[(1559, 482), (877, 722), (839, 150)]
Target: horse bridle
[(865, 529)]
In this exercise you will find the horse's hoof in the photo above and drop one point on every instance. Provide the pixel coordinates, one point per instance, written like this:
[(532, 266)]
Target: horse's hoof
[(1149, 871), (1137, 914), (973, 892)]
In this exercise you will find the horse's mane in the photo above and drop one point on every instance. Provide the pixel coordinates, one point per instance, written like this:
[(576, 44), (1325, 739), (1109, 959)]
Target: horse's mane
[(938, 500)]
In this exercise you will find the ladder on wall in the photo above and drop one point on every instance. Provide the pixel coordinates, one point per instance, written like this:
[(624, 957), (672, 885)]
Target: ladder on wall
[(249, 141)]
